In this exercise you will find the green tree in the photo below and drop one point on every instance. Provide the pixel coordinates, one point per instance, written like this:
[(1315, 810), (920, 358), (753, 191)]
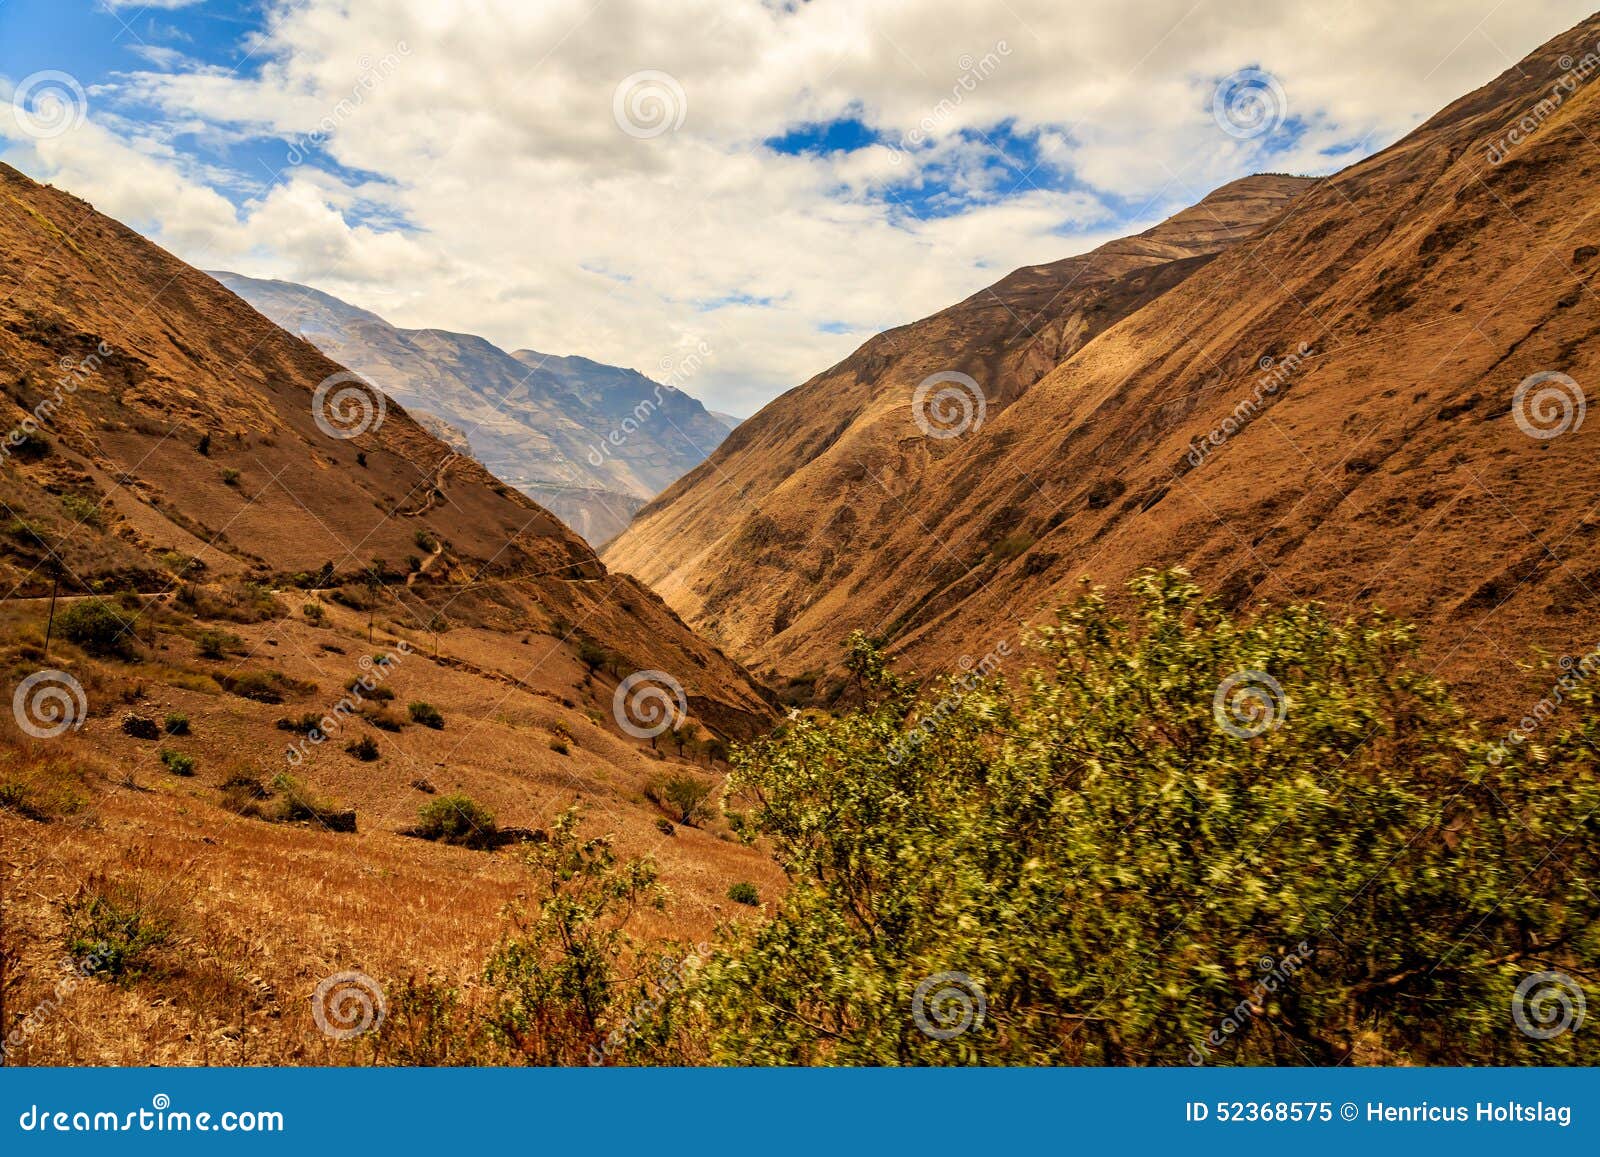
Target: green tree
[(557, 975), (1181, 839)]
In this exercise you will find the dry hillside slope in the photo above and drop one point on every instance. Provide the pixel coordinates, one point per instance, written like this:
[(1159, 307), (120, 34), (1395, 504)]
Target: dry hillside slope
[(1357, 360), (247, 597)]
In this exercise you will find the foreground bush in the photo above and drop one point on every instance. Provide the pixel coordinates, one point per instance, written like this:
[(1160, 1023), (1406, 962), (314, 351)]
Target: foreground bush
[(457, 819), (1185, 839), (99, 627)]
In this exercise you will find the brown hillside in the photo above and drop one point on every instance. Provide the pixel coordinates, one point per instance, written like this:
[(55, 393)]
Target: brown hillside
[(1385, 467), (254, 582)]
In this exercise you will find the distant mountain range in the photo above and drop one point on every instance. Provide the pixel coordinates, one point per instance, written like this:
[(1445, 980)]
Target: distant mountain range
[(590, 442), (1365, 389)]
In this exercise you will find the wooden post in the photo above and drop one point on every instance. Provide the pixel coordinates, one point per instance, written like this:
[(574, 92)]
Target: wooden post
[(50, 626)]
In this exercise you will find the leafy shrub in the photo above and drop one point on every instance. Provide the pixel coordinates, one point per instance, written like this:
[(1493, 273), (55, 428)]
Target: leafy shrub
[(177, 723), (377, 693), (217, 644), (314, 612), (116, 928), (99, 627), (82, 509), (230, 476), (426, 714), (456, 819), (294, 801), (1100, 817), (365, 749), (177, 763), (554, 978), (744, 892), (559, 746), (664, 826), (264, 686), (686, 798)]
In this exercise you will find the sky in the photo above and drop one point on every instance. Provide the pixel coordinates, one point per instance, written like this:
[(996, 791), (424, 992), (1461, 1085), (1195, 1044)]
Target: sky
[(643, 181)]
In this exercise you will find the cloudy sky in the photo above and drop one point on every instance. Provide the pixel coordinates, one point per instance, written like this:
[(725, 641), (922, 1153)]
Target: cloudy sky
[(626, 179)]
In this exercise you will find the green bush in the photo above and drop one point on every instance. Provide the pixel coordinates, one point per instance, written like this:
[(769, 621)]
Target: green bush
[(99, 627), (426, 714), (686, 798), (177, 723), (177, 763), (114, 929), (744, 893), (217, 644), (1184, 838), (456, 819)]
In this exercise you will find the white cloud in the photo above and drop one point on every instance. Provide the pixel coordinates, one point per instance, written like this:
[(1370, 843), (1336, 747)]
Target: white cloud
[(535, 221)]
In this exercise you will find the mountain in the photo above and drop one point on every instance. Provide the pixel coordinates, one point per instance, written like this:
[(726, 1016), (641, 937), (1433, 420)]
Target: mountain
[(551, 426), (177, 432), (727, 420), (1336, 390)]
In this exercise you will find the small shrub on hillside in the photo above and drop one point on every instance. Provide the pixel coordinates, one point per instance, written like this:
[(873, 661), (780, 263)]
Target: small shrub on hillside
[(559, 746), (314, 613), (664, 826), (83, 510), (384, 720), (116, 928), (686, 798), (99, 627), (28, 446), (377, 693), (426, 714), (744, 892), (216, 644), (457, 819), (264, 686), (230, 476), (365, 749), (40, 787), (177, 763), (177, 723), (138, 726)]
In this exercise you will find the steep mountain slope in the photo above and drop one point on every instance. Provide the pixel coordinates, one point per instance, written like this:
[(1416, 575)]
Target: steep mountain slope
[(744, 543), (1335, 408), (540, 422), (176, 432)]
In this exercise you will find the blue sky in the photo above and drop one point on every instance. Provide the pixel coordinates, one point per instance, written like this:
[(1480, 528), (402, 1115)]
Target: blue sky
[(629, 181)]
